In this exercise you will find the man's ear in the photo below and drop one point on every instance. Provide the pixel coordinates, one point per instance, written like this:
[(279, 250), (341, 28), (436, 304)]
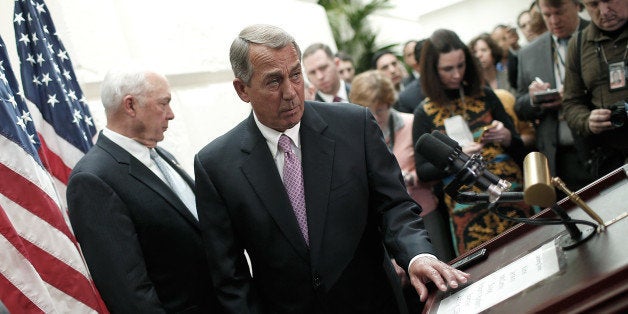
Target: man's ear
[(337, 62), (129, 105), (240, 88)]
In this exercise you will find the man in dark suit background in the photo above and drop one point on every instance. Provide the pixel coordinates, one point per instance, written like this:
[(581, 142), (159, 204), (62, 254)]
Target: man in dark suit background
[(411, 97), (320, 249), (134, 212), (544, 58), (321, 67)]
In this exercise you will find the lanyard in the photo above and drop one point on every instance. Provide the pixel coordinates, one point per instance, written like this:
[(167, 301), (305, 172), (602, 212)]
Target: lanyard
[(600, 51), (559, 62)]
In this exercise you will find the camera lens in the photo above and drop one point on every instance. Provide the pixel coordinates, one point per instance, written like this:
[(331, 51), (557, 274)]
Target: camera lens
[(618, 114)]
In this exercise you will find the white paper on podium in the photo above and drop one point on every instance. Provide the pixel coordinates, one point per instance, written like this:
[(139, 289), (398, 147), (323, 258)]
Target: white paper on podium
[(504, 283)]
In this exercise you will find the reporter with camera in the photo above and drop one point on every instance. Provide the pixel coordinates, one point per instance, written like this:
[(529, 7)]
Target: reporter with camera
[(540, 78), (595, 103)]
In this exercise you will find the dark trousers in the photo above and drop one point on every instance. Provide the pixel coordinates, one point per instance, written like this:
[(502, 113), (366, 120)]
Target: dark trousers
[(571, 169)]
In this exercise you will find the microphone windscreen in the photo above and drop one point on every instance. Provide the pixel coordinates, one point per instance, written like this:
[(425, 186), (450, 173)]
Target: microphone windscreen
[(445, 139), (538, 188), (435, 151)]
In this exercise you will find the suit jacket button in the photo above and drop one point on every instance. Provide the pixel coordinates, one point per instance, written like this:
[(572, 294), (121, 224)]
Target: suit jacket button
[(316, 280)]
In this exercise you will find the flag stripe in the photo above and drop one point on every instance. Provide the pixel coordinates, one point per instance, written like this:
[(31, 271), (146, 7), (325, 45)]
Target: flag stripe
[(36, 202), (21, 288), (53, 162), (60, 275), (48, 238), (13, 298)]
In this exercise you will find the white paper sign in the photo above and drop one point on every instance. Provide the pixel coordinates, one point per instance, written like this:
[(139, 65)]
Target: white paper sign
[(504, 283), (458, 129)]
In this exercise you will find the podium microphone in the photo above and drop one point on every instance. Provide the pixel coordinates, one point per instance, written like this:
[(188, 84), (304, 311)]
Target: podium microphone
[(494, 179), (537, 183), (471, 169)]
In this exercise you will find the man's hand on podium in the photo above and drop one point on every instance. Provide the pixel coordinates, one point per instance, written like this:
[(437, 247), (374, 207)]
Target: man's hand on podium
[(425, 269)]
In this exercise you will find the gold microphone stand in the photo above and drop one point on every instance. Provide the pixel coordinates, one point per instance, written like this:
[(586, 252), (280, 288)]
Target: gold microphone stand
[(558, 183)]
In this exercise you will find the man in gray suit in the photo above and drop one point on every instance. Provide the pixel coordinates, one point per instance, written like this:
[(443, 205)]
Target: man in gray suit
[(132, 207), (311, 192), (541, 66)]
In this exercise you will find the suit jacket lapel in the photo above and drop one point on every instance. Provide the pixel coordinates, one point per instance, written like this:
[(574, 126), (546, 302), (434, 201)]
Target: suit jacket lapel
[(546, 64), (260, 169), (139, 171), (317, 160)]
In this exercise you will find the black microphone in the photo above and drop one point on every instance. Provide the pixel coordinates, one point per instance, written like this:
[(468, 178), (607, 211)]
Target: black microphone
[(483, 198), (471, 170), (464, 157)]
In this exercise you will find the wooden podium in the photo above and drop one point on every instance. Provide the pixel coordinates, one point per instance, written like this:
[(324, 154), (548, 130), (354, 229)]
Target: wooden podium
[(593, 277)]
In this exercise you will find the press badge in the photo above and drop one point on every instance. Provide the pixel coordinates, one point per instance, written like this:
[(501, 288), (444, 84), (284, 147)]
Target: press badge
[(617, 75)]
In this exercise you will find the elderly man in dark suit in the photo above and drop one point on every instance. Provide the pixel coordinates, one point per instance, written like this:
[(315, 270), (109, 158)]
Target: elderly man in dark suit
[(311, 192), (132, 207), (541, 66)]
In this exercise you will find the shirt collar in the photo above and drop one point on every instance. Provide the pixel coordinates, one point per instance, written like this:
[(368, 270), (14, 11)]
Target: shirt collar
[(342, 93), (272, 136), (133, 147)]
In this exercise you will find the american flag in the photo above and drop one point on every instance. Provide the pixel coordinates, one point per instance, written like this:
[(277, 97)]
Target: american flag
[(60, 110), (41, 268)]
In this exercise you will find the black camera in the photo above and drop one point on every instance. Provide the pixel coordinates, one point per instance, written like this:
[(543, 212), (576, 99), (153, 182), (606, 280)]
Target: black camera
[(619, 117)]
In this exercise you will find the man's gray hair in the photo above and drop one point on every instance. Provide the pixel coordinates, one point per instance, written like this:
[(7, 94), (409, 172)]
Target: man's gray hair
[(122, 81), (262, 34)]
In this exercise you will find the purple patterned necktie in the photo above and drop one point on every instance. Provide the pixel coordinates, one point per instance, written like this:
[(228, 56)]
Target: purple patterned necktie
[(337, 99), (293, 182)]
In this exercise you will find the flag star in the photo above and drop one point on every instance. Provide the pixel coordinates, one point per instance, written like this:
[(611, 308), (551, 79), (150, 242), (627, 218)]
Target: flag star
[(21, 123), (72, 95), (1, 63), (36, 80), (83, 100), (30, 59), (40, 8), (46, 78), (18, 19), (12, 101), (31, 138), (50, 48), (88, 120), (52, 100), (40, 58), (63, 55), (3, 77), (56, 67), (77, 116), (67, 75), (34, 38), (26, 116), (24, 39), (24, 119), (29, 18), (46, 29)]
